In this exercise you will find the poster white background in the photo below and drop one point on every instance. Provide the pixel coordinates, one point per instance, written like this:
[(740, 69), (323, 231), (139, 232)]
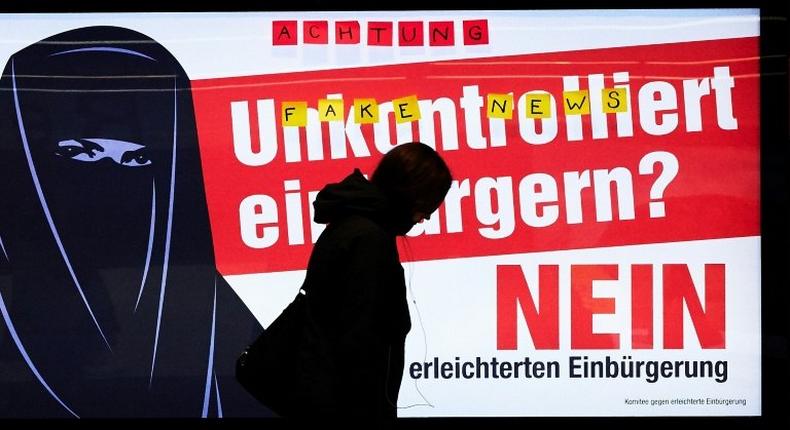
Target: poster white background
[(214, 45), (455, 316)]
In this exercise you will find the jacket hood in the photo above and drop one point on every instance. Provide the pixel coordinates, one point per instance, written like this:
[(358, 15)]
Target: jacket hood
[(355, 195)]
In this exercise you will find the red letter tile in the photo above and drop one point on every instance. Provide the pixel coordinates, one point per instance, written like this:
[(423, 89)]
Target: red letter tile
[(410, 33), (441, 33), (316, 32), (476, 32), (347, 32), (380, 33), (284, 33)]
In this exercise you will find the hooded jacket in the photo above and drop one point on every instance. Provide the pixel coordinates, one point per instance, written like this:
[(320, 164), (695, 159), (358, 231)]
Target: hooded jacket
[(357, 297)]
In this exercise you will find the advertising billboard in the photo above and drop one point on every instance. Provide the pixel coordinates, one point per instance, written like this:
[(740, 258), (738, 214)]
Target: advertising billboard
[(598, 253)]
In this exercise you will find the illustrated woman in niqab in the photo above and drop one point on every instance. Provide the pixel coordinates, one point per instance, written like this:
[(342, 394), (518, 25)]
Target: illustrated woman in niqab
[(111, 303)]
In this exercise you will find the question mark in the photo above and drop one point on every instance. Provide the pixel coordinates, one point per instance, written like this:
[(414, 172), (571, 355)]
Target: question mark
[(668, 173)]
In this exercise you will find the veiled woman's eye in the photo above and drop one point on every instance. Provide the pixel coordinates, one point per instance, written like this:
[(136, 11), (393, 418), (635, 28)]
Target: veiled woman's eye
[(77, 150), (137, 158), (69, 151), (95, 149)]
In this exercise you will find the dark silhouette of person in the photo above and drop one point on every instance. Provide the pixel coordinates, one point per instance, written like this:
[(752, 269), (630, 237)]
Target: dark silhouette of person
[(350, 357), (111, 302)]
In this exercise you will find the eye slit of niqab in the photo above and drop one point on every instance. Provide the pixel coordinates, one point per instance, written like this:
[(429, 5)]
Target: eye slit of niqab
[(78, 149)]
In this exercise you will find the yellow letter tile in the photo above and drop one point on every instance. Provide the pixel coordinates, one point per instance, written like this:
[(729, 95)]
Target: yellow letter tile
[(406, 109), (499, 106), (294, 114), (330, 110), (538, 105), (366, 111), (614, 100), (576, 102)]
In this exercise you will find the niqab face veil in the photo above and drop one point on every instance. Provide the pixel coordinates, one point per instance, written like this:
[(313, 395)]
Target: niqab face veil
[(107, 277)]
